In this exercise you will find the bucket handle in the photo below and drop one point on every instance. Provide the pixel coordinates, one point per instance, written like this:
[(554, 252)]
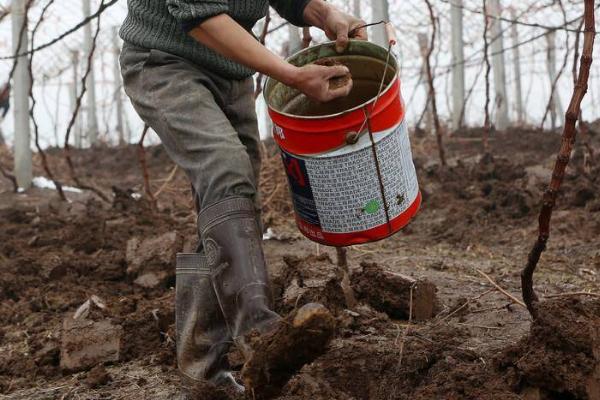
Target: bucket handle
[(352, 137), (390, 31)]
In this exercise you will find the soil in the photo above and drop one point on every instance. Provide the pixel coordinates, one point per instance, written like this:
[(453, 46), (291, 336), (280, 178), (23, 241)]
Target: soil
[(339, 82), (479, 217), (279, 354)]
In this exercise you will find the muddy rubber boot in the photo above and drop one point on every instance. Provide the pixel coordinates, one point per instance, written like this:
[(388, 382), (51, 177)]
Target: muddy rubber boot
[(203, 339), (233, 246)]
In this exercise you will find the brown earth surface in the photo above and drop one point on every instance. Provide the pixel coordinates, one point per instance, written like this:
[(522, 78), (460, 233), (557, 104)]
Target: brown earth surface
[(87, 286)]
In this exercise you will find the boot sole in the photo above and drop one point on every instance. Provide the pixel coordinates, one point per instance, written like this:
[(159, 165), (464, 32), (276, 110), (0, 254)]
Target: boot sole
[(277, 355)]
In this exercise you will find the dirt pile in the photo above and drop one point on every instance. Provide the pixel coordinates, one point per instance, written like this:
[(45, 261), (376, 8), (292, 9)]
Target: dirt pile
[(317, 279), (560, 359), (423, 365), (55, 257), (54, 260)]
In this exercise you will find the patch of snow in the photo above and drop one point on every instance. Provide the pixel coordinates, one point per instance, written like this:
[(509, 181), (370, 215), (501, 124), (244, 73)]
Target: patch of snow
[(44, 183), (270, 235)]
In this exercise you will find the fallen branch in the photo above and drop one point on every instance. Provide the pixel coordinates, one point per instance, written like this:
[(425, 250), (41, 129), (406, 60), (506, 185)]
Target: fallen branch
[(500, 289), (462, 306), (166, 183), (568, 139), (479, 326)]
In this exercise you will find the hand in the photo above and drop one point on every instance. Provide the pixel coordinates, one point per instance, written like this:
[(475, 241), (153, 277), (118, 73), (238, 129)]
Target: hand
[(336, 24), (314, 81)]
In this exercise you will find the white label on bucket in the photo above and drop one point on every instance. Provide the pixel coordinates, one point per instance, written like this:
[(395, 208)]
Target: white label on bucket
[(342, 194)]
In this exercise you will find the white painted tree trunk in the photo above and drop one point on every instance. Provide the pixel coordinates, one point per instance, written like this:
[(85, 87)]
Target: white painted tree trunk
[(23, 166), (555, 104), (458, 66), (92, 117), (356, 9), (118, 89), (295, 40), (424, 46), (497, 47), (517, 70), (380, 13), (57, 101), (73, 93)]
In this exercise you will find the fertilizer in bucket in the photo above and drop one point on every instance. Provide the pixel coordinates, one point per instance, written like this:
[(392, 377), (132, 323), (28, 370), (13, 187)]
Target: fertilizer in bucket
[(349, 161)]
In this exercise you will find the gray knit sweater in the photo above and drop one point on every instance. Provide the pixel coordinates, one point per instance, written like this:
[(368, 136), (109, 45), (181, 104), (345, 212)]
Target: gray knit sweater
[(163, 25)]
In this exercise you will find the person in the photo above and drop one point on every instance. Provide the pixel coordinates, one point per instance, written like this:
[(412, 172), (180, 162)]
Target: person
[(4, 106), (187, 67)]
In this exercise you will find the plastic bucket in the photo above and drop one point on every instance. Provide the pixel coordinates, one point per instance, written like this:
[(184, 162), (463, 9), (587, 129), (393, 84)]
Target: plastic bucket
[(349, 162)]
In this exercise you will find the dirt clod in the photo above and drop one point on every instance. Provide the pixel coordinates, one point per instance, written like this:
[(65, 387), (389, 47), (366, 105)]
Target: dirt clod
[(397, 295), (278, 354), (339, 82), (97, 376), (87, 343)]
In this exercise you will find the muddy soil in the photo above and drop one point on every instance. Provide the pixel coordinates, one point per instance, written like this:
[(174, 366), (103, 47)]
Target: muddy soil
[(112, 263), (339, 82)]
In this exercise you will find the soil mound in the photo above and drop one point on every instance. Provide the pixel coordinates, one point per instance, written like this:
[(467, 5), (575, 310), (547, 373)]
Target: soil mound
[(560, 359)]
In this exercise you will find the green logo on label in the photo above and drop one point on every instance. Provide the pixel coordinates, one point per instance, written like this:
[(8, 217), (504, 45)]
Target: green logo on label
[(372, 207)]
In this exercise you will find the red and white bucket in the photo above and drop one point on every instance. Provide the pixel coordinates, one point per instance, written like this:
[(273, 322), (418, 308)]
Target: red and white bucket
[(349, 162)]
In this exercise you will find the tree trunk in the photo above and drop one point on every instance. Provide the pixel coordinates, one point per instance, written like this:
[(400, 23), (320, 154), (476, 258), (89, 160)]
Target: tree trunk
[(22, 83), (92, 117), (380, 13), (517, 70), (458, 66), (497, 47), (555, 103)]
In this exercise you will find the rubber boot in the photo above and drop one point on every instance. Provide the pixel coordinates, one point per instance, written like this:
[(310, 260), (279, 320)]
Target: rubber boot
[(232, 243), (274, 348), (203, 339)]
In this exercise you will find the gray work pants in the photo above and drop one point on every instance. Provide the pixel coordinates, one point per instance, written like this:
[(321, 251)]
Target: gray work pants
[(206, 123)]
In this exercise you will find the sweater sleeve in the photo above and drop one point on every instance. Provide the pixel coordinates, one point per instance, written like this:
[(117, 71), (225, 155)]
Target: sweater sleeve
[(191, 13), (291, 10)]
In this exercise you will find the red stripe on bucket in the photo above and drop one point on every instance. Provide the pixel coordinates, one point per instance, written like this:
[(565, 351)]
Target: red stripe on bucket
[(316, 234), (306, 136)]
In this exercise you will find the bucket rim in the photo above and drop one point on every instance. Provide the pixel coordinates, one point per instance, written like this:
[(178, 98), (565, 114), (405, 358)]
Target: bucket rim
[(335, 115)]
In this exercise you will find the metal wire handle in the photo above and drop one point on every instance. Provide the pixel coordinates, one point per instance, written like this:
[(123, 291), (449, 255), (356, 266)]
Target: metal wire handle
[(392, 42)]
